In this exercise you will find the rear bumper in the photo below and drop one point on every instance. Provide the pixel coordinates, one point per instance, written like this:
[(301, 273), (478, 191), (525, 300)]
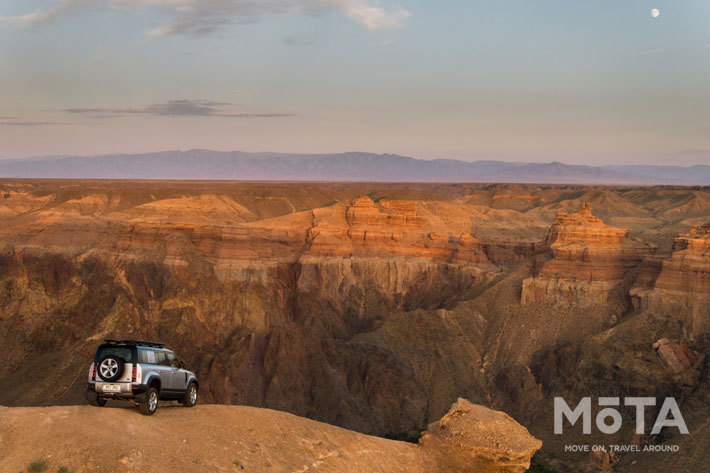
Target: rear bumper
[(129, 391)]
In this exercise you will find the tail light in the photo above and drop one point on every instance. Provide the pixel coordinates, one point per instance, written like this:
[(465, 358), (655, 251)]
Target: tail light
[(137, 374), (134, 373), (92, 371)]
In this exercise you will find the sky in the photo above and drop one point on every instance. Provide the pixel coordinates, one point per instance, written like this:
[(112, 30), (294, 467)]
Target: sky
[(579, 82)]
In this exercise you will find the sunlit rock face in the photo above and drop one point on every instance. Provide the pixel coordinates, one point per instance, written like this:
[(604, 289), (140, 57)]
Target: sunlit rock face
[(591, 263), (682, 288), (391, 228), (474, 439)]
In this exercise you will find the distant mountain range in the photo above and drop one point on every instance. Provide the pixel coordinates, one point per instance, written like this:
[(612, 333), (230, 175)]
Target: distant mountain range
[(235, 165)]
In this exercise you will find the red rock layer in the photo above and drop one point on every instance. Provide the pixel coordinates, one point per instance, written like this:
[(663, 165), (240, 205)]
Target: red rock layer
[(389, 212), (389, 227), (682, 288), (590, 262)]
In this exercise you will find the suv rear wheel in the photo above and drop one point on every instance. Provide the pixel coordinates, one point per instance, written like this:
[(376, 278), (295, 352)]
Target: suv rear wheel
[(150, 405), (190, 396), (99, 402)]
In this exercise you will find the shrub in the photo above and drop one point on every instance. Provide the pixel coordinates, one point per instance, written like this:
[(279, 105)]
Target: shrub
[(37, 466)]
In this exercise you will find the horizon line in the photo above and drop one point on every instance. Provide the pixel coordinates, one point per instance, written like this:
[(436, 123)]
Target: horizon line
[(89, 156)]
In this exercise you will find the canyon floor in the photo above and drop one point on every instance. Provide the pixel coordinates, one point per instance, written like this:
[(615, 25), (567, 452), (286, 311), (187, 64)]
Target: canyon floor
[(372, 307)]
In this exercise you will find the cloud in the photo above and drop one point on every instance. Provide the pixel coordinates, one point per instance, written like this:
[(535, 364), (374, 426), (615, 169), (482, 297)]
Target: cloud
[(372, 16), (298, 40), (179, 108), (201, 17), (47, 15), (12, 121)]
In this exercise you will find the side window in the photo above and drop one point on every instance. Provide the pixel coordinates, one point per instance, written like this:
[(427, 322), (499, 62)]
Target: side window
[(146, 356), (172, 359), (160, 358)]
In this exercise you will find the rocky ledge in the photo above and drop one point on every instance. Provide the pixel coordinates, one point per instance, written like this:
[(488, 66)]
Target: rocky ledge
[(210, 438)]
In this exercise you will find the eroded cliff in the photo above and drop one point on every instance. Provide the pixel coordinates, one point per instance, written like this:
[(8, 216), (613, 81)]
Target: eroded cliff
[(682, 287), (591, 263)]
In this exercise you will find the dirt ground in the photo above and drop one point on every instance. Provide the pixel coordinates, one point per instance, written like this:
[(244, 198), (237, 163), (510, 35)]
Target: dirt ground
[(206, 438)]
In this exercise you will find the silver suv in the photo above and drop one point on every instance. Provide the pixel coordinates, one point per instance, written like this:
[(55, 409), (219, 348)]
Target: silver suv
[(143, 372)]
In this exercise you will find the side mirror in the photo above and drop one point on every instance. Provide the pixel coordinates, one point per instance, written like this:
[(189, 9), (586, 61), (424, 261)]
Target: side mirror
[(181, 364)]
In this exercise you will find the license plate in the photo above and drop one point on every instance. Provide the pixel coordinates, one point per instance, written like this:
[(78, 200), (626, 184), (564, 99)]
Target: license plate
[(112, 388)]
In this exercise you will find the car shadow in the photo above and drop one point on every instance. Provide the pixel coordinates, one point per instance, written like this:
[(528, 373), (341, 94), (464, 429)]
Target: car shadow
[(118, 404)]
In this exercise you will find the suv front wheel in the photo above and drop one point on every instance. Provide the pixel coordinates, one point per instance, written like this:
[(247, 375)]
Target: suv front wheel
[(150, 405), (190, 396)]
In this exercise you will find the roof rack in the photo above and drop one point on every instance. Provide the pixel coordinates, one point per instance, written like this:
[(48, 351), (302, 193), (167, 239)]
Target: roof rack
[(134, 342)]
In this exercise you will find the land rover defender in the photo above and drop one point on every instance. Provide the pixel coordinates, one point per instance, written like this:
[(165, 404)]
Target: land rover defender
[(142, 372)]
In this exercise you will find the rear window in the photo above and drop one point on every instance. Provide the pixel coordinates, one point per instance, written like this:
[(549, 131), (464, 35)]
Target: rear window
[(126, 353)]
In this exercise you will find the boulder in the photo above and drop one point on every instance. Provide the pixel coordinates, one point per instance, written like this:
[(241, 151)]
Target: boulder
[(680, 361), (473, 438)]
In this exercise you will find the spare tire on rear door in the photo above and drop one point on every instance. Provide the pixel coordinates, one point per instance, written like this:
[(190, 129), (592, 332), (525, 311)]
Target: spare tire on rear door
[(111, 368)]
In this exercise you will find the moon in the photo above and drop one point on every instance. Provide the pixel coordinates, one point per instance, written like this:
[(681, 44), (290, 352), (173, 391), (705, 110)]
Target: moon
[(655, 12)]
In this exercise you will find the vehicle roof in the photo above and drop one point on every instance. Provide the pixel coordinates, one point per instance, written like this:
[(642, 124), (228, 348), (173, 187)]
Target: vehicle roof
[(111, 342)]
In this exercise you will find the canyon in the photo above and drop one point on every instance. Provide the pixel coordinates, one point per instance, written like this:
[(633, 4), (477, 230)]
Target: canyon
[(369, 306)]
